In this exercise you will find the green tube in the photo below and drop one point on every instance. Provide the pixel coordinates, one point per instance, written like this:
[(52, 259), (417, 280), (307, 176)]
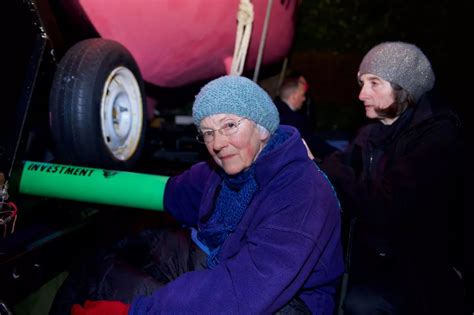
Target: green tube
[(144, 191)]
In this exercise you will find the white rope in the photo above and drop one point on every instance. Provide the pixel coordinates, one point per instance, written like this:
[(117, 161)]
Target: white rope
[(242, 38), (282, 73)]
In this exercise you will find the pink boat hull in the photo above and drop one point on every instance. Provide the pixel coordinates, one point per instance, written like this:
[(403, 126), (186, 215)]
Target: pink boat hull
[(177, 42)]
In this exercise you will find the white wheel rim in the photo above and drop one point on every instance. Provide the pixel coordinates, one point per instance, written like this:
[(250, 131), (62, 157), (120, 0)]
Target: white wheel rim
[(121, 112)]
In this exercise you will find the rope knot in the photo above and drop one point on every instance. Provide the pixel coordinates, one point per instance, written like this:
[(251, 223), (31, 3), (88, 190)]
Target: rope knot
[(245, 13), (242, 39)]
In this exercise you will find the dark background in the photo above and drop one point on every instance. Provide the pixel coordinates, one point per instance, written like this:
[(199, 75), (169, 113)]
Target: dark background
[(333, 35)]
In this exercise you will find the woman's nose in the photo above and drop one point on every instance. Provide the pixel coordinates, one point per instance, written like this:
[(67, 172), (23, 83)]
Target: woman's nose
[(220, 141), (363, 94)]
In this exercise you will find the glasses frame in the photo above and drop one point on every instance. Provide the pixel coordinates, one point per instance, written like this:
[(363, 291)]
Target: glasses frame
[(200, 135)]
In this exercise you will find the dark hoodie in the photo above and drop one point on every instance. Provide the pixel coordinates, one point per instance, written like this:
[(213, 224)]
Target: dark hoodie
[(403, 181)]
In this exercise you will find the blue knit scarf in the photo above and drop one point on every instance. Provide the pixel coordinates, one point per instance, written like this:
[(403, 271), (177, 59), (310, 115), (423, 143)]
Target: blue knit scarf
[(231, 203)]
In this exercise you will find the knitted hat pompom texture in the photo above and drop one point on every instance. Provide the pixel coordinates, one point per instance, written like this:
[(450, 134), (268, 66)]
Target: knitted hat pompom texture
[(400, 63), (236, 95)]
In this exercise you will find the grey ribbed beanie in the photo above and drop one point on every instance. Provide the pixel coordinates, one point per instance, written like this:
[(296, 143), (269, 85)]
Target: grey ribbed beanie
[(400, 63), (239, 96)]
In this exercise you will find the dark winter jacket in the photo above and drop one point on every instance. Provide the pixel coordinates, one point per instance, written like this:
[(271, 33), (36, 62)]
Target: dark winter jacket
[(403, 181), (318, 146), (287, 243)]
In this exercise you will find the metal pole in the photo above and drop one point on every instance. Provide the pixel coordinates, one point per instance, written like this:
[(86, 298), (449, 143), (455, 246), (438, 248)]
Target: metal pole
[(262, 41)]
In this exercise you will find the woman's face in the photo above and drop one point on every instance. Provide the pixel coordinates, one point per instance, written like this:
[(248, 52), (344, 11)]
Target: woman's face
[(376, 93), (236, 151)]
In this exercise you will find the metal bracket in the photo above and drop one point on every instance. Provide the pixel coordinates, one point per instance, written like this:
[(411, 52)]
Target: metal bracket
[(4, 309), (3, 190)]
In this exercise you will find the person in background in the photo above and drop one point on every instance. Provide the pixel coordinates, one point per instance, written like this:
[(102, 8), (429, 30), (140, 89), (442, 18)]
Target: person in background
[(255, 241), (291, 98), (400, 177)]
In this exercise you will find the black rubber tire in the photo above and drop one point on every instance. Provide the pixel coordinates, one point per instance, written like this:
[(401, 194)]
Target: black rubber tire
[(75, 104)]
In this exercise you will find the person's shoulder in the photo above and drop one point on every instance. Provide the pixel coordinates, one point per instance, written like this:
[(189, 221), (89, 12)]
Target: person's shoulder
[(439, 105), (279, 103), (305, 171), (364, 130), (434, 110)]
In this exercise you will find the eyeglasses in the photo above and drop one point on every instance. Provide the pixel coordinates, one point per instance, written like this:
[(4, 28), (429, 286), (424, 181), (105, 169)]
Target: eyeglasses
[(230, 127)]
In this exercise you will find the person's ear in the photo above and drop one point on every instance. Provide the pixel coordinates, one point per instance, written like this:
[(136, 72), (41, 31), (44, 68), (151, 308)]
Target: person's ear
[(263, 133), (292, 97)]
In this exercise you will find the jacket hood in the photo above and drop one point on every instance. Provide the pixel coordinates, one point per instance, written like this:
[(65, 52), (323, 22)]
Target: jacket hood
[(291, 150)]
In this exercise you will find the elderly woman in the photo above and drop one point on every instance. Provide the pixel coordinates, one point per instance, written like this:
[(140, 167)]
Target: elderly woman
[(260, 242)]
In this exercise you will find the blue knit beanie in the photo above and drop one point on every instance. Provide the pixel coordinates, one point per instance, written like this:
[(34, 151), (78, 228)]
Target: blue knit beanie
[(239, 96)]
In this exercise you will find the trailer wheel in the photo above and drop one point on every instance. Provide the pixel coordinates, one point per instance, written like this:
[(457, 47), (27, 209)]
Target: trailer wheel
[(97, 106)]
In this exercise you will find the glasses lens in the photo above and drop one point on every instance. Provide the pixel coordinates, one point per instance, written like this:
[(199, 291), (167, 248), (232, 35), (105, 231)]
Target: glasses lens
[(200, 138), (229, 128)]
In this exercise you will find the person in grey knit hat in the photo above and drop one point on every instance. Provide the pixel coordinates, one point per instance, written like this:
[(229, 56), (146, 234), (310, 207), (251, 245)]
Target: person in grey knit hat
[(405, 68), (399, 177), (400, 63)]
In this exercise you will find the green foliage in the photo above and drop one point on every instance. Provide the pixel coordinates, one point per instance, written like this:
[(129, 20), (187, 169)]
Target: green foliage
[(356, 25)]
